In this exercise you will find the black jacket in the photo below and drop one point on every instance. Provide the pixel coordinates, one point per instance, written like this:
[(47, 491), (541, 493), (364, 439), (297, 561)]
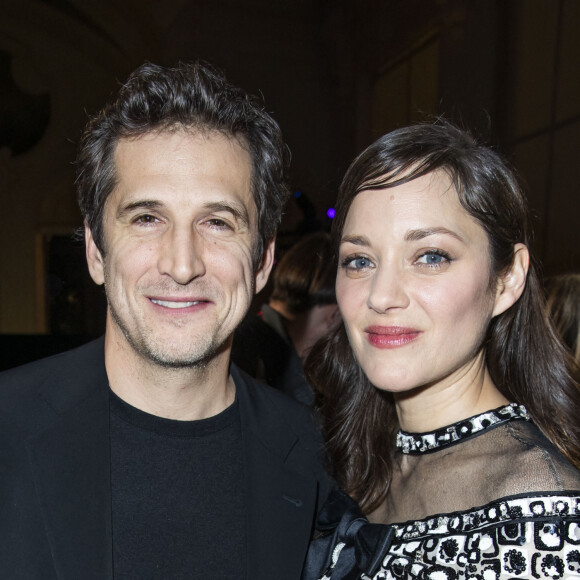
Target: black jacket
[(55, 497)]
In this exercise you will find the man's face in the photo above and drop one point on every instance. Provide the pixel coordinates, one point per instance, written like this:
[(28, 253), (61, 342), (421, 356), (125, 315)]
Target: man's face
[(179, 230)]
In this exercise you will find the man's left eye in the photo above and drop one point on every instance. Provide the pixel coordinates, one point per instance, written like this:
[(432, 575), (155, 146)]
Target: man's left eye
[(218, 223)]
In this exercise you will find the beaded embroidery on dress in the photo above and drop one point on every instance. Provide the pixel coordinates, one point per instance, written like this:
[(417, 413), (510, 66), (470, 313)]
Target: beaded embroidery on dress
[(424, 442), (530, 529)]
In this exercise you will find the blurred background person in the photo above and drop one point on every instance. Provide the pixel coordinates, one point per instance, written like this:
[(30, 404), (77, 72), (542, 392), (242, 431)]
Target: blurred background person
[(272, 345), (563, 296)]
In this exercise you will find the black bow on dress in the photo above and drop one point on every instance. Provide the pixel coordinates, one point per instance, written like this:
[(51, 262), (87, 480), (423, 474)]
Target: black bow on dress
[(365, 544)]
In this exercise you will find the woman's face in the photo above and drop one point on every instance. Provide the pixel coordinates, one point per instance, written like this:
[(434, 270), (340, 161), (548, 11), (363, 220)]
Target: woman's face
[(413, 284)]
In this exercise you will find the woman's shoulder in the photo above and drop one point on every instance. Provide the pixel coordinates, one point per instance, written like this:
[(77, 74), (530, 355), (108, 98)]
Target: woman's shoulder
[(534, 462), (512, 459)]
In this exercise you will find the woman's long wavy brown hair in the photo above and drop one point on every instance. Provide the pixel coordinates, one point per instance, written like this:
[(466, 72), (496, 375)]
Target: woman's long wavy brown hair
[(526, 361)]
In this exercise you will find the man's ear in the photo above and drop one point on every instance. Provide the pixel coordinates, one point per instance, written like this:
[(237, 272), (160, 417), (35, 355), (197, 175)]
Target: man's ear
[(94, 257), (512, 284), (265, 267)]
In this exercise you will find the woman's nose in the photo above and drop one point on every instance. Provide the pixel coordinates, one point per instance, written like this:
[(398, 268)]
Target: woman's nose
[(388, 290)]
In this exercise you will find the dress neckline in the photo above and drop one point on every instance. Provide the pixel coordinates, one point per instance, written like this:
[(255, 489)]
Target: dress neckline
[(417, 443)]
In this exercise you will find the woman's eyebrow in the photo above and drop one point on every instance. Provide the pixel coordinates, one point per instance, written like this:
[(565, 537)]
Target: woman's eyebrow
[(416, 235), (356, 240)]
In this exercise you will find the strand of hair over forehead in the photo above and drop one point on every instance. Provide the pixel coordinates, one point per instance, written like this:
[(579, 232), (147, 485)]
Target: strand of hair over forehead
[(412, 152), (436, 145)]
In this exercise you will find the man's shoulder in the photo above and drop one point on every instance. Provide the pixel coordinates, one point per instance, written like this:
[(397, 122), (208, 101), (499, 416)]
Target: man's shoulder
[(70, 361), (24, 388)]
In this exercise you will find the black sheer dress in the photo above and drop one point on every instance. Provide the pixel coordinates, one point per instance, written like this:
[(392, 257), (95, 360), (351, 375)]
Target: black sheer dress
[(486, 498)]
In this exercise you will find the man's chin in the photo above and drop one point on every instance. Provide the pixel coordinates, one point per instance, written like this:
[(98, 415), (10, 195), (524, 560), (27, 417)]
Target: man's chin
[(174, 358), (179, 358), (171, 350)]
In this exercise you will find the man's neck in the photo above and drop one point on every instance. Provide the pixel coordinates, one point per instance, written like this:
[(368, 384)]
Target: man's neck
[(184, 394)]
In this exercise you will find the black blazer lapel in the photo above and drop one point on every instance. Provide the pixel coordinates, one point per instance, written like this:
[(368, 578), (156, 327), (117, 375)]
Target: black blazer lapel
[(71, 466), (281, 498)]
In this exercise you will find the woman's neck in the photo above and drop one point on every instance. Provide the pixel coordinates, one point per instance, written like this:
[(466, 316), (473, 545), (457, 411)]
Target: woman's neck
[(465, 393)]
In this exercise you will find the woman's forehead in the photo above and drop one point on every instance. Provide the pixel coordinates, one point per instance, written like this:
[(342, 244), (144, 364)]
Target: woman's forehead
[(428, 203)]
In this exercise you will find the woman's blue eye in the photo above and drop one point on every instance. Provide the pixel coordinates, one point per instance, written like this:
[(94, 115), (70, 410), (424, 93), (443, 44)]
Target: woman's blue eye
[(433, 258), (361, 263), (357, 263)]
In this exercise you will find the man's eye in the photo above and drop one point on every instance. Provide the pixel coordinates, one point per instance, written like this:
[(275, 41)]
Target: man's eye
[(146, 219), (218, 224)]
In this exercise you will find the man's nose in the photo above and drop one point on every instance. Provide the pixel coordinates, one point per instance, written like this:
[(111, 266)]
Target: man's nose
[(181, 255), (388, 289)]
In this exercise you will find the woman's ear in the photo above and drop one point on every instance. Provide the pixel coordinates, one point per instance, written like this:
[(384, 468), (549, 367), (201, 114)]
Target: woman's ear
[(511, 285), (94, 257)]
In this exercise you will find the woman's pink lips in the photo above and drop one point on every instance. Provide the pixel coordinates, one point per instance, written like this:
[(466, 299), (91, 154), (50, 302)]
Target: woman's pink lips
[(391, 336)]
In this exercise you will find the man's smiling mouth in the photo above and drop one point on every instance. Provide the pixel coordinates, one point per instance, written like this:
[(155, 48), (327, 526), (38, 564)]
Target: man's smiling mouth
[(170, 304)]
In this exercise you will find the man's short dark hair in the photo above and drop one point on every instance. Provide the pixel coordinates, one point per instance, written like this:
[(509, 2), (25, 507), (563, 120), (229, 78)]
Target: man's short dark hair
[(190, 96)]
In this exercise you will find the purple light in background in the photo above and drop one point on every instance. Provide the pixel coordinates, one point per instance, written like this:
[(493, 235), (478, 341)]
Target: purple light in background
[(330, 212)]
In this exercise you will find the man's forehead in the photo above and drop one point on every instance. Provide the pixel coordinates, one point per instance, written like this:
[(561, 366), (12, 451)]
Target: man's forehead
[(218, 165), (197, 148)]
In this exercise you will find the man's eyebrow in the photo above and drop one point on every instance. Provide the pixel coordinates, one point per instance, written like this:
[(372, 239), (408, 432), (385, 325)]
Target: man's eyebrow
[(137, 205), (239, 212), (356, 240), (416, 235)]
